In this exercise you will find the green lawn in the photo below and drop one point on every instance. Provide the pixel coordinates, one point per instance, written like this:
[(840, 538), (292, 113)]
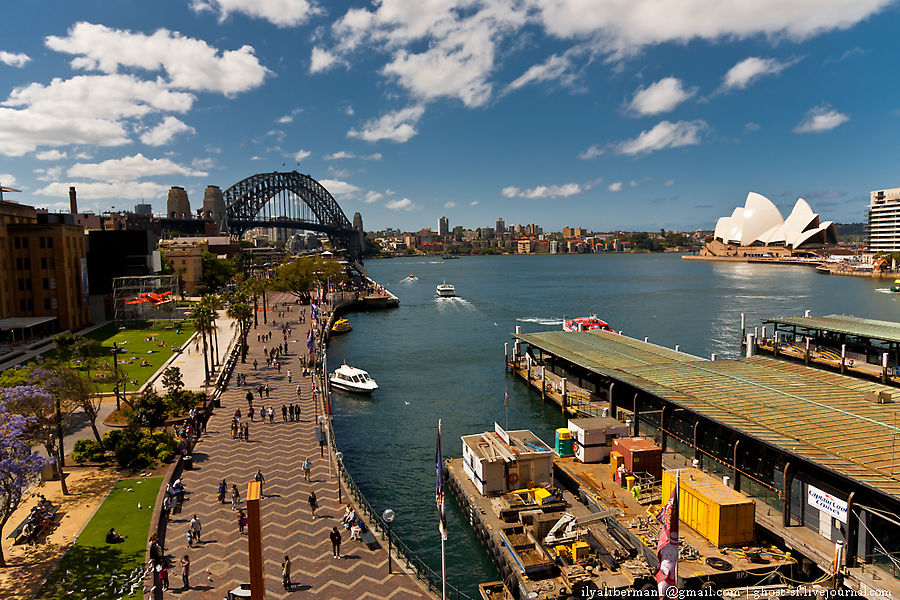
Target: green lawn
[(87, 569), (139, 358)]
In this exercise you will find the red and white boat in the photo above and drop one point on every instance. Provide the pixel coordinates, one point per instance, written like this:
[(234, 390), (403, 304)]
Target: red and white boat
[(590, 323)]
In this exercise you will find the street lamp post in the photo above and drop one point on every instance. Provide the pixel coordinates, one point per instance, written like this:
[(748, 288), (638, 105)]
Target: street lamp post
[(115, 353), (388, 516), (338, 457)]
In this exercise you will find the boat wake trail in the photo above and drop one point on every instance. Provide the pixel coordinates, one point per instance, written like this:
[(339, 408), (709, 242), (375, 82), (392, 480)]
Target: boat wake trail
[(884, 291), (453, 303), (540, 320)]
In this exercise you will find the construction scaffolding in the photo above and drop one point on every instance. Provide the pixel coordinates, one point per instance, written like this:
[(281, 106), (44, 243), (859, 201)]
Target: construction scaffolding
[(140, 298)]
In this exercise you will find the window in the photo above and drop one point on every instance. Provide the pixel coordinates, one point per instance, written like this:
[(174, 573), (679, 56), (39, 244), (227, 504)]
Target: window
[(30, 304), (21, 285), (49, 242), (43, 242), (27, 263), (23, 306), (43, 262), (19, 262), (45, 283), (17, 242), (46, 303)]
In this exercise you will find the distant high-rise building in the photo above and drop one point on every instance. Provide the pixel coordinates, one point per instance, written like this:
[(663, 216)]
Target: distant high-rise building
[(143, 209), (501, 226), (520, 229), (443, 226), (567, 232), (884, 221)]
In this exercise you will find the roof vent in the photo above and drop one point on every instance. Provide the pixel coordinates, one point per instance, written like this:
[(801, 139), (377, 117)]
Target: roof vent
[(879, 397)]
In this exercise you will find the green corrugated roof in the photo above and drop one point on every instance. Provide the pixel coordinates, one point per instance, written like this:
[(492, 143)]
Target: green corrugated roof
[(867, 328), (819, 416)]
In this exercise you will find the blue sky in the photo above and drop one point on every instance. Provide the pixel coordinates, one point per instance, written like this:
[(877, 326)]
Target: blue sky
[(606, 114)]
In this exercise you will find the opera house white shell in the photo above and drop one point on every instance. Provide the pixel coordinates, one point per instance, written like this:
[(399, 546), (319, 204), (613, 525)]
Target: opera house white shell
[(759, 223)]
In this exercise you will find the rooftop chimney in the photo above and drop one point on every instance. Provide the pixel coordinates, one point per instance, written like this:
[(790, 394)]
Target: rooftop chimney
[(73, 204)]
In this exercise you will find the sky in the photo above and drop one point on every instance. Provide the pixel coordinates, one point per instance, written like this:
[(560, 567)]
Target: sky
[(604, 114)]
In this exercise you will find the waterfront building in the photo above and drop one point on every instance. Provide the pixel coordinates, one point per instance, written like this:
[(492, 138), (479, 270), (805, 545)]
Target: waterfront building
[(757, 229), (501, 226), (443, 226), (43, 271), (884, 221)]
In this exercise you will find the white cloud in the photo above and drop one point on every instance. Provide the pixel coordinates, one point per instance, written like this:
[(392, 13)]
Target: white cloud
[(302, 155), (321, 60), (83, 156), (203, 164), (213, 149), (397, 126), (659, 97), (372, 197), (289, 118), (548, 191), (130, 168), (557, 67), (633, 183), (473, 203), (665, 134), (189, 63), (341, 188), (592, 152), (51, 174), (50, 155), (819, 119), (7, 180), (120, 190), (340, 154), (283, 13), (625, 27), (449, 204), (615, 187), (18, 60), (669, 183), (373, 156), (349, 111), (750, 127), (749, 70), (401, 204), (256, 158), (163, 133)]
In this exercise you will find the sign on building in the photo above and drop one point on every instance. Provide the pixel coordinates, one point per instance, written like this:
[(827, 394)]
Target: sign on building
[(825, 502)]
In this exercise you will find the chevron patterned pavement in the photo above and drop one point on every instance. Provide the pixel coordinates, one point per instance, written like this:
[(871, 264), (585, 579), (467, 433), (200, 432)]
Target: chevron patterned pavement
[(219, 562)]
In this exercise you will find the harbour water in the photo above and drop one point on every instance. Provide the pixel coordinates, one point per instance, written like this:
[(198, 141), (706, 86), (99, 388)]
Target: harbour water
[(443, 358)]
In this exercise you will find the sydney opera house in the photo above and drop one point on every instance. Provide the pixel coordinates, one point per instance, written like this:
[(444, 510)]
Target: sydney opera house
[(757, 229)]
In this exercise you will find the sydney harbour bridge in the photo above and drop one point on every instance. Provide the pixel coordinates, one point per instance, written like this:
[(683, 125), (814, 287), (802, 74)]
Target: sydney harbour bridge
[(289, 200)]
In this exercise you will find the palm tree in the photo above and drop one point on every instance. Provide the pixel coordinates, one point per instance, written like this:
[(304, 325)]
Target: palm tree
[(242, 313), (214, 303), (202, 316)]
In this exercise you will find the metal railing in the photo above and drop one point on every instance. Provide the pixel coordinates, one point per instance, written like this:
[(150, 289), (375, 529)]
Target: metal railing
[(422, 570)]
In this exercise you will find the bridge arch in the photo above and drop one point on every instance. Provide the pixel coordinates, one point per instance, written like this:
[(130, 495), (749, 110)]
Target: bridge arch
[(290, 200)]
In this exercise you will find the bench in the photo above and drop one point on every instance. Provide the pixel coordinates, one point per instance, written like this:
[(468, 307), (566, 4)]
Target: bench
[(45, 525)]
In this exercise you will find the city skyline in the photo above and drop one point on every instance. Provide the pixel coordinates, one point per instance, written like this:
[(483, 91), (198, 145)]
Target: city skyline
[(539, 111)]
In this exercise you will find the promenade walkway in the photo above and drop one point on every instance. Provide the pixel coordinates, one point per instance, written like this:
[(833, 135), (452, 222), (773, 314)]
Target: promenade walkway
[(219, 563)]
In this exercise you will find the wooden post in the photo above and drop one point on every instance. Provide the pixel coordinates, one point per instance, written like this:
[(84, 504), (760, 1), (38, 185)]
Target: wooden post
[(735, 460), (786, 501), (543, 383), (562, 383), (884, 367), (612, 402), (852, 532), (743, 327), (634, 416), (843, 357), (506, 356), (528, 368), (677, 348), (254, 538), (713, 356), (806, 353)]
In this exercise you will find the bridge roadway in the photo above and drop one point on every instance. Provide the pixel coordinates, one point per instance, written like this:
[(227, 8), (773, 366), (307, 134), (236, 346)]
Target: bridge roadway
[(220, 561)]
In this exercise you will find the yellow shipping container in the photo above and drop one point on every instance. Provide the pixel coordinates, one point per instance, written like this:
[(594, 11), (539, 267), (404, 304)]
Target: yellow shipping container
[(720, 514), (580, 551), (615, 461)]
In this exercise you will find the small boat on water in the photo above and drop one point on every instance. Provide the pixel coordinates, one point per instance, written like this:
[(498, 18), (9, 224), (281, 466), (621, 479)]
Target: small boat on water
[(352, 379), (411, 278), (895, 287), (590, 323), (445, 290), (341, 326)]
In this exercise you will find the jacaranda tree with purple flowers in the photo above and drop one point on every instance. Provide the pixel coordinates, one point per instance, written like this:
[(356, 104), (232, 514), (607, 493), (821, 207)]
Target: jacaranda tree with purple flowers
[(17, 464)]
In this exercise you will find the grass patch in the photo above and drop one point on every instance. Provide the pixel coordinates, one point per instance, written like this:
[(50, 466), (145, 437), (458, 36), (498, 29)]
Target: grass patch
[(78, 577), (139, 357)]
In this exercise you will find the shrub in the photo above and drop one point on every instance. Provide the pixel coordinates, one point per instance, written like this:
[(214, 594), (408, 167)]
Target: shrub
[(165, 456), (88, 451)]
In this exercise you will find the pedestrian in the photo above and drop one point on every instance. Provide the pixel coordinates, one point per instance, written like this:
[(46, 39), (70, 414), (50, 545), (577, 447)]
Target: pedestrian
[(246, 433), (235, 497), (313, 503), (290, 376), (223, 487), (284, 413), (299, 390), (250, 412), (167, 506), (249, 398), (195, 527), (307, 466), (260, 389), (185, 572), (335, 536), (190, 538), (255, 364), (164, 577), (277, 368), (241, 521), (292, 411), (286, 573), (259, 477), (267, 390)]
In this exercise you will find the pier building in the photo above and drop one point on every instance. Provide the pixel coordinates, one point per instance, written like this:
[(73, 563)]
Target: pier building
[(815, 450), (884, 221)]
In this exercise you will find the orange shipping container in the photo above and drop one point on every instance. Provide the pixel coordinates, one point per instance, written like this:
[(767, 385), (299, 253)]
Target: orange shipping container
[(720, 514), (640, 455)]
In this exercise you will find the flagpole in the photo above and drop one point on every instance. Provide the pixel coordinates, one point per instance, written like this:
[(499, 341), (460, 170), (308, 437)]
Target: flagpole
[(443, 533)]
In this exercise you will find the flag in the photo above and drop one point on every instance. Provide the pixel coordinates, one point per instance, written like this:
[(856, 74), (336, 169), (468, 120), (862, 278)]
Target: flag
[(505, 398), (667, 549), (309, 340), (439, 486)]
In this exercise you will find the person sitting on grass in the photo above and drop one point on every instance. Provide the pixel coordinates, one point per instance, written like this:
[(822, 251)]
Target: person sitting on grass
[(112, 537)]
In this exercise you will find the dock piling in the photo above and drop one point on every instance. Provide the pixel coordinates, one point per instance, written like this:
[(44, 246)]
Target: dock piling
[(505, 356), (743, 328), (677, 348), (543, 383), (843, 357), (712, 356)]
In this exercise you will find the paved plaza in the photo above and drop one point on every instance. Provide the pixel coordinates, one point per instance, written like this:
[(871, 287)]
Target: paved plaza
[(219, 562)]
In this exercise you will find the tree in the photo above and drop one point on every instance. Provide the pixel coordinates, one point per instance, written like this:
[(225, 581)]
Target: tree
[(44, 422), (74, 383), (172, 380), (202, 317), (301, 276), (242, 314), (214, 304), (216, 271), (17, 464), (149, 409)]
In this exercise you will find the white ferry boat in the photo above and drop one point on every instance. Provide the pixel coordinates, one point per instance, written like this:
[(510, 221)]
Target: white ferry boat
[(352, 379), (445, 290)]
